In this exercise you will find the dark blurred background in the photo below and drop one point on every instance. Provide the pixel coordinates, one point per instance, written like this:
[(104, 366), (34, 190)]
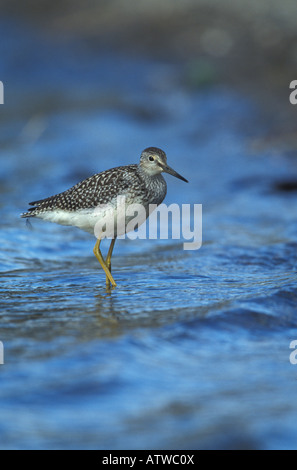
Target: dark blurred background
[(254, 42), (248, 45)]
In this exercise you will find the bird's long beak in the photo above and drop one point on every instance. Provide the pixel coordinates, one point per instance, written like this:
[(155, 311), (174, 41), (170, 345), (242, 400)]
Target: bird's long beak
[(170, 171)]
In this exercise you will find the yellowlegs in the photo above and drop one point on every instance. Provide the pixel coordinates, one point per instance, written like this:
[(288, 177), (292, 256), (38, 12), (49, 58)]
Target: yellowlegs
[(78, 206)]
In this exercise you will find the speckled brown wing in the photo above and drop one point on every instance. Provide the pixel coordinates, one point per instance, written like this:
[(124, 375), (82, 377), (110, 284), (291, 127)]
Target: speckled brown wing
[(97, 189)]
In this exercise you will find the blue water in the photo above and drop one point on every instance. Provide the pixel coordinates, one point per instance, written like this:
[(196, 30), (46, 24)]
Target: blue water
[(191, 350)]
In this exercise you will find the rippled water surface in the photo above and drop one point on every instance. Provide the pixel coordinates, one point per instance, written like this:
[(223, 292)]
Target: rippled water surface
[(191, 350)]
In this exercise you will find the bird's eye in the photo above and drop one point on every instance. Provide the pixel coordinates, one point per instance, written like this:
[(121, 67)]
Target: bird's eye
[(151, 159)]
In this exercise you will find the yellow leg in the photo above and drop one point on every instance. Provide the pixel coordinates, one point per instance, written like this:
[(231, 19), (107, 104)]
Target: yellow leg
[(109, 255), (99, 257), (108, 259)]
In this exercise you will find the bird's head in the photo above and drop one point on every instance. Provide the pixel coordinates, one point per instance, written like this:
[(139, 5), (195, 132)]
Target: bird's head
[(153, 161)]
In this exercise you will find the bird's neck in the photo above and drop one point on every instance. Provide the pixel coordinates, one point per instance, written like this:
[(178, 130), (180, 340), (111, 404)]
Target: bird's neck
[(155, 185), (150, 179)]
